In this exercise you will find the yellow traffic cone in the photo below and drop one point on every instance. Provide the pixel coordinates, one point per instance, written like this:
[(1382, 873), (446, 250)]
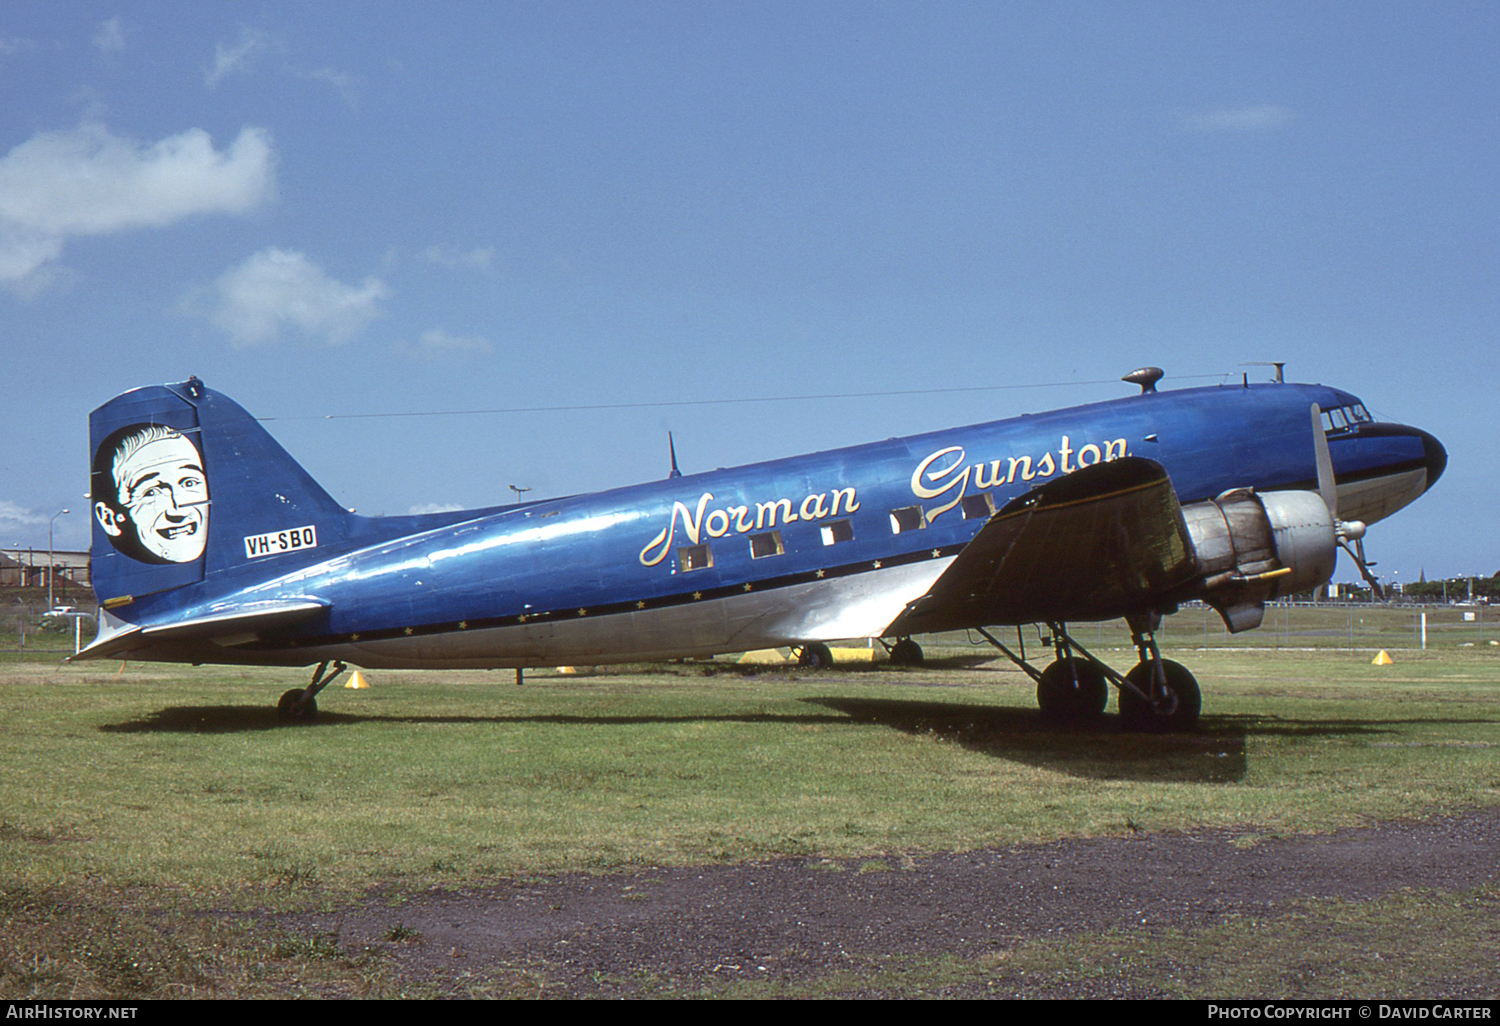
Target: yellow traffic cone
[(1383, 659), (357, 681)]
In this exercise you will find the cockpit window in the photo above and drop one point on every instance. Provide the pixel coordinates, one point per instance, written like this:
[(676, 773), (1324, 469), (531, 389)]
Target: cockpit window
[(1342, 418)]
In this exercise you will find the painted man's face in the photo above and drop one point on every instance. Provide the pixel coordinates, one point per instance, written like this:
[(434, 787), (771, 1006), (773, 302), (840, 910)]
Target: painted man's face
[(164, 495)]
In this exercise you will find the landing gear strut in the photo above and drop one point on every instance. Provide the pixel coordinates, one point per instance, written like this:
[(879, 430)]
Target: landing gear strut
[(1156, 695), (300, 705)]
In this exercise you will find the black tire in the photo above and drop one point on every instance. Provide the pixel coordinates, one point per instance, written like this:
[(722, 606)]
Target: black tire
[(291, 708), (815, 656), (1177, 715), (1061, 697), (906, 652)]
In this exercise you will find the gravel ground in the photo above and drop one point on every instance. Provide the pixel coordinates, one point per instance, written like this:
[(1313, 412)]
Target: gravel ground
[(798, 920)]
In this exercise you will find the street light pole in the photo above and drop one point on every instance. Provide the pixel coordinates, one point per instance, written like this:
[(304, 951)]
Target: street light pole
[(51, 560)]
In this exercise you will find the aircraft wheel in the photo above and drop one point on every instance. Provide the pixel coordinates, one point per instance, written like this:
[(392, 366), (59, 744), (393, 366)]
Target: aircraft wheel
[(1061, 698), (906, 652), (1180, 711), (815, 656), (291, 708)]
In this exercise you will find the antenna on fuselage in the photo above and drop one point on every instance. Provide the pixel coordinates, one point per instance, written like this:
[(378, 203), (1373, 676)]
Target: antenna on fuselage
[(1280, 379), (672, 446), (1146, 377)]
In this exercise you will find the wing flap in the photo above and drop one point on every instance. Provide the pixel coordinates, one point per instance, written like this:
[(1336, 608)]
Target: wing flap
[(1099, 543)]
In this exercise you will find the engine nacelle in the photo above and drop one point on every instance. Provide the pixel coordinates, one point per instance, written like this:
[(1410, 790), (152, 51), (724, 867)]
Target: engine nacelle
[(1254, 546)]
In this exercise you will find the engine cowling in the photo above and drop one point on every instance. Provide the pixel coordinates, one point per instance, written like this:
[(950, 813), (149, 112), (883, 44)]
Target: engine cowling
[(1253, 546)]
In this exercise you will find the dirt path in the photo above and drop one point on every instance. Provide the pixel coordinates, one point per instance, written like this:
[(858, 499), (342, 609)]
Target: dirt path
[(796, 920)]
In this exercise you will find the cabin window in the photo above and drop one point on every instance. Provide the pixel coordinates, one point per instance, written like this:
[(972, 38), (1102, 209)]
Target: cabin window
[(907, 518), (766, 544), (978, 507), (695, 557), (836, 531), (1360, 414)]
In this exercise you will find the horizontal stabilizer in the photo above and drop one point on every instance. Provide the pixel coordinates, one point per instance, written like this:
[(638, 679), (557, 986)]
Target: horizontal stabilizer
[(239, 626), (1099, 543)]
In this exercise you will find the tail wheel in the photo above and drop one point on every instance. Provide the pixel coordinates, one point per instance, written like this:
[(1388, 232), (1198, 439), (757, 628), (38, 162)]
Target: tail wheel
[(292, 709), (906, 652), (815, 656), (1176, 713), (1063, 697)]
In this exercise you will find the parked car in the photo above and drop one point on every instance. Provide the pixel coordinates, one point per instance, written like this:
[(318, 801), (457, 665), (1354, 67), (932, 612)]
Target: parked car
[(60, 619)]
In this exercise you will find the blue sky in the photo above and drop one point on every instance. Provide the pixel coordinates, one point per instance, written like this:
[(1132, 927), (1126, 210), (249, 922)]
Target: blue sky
[(340, 208)]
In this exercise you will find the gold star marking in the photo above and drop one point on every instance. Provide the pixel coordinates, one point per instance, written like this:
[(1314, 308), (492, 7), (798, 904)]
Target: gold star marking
[(521, 618), (463, 625), (877, 564), (747, 587), (936, 553), (408, 630), (820, 573), (354, 637), (697, 595), (583, 612), (640, 605)]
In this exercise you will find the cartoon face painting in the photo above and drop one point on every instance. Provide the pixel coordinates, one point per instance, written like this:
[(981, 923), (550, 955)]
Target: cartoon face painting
[(151, 495)]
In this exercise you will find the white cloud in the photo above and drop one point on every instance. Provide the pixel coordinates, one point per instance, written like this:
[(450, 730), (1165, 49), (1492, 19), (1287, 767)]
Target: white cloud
[(341, 81), (111, 36), (436, 342), (233, 59), (278, 287), (452, 256), (86, 181), (12, 515), (1240, 119), (11, 47)]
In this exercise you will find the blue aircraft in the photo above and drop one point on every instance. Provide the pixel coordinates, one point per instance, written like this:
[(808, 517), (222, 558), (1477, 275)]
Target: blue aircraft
[(212, 545)]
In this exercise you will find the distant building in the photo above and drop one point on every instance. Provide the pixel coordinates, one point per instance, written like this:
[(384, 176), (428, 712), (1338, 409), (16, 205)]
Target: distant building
[(27, 568)]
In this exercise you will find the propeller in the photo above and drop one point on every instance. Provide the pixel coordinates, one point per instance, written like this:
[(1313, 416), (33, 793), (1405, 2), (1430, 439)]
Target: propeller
[(1345, 531)]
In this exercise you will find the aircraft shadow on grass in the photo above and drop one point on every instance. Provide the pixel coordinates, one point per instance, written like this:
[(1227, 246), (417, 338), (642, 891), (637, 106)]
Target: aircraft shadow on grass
[(238, 719), (1101, 749)]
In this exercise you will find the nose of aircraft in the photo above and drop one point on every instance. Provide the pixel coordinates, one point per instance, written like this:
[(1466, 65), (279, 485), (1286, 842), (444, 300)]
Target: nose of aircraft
[(1433, 453), (1437, 456), (1434, 457)]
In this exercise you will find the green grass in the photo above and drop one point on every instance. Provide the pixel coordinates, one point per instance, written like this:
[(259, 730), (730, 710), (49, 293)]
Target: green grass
[(161, 790), (181, 776)]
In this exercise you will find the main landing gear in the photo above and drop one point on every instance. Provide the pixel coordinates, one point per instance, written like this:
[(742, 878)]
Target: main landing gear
[(1157, 695), (905, 652), (300, 705)]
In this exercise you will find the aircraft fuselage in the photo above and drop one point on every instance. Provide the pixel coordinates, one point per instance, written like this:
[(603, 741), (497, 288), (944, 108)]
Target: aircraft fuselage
[(824, 546)]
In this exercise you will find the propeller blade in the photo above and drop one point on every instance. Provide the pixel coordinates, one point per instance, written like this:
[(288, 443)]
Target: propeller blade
[(1327, 487)]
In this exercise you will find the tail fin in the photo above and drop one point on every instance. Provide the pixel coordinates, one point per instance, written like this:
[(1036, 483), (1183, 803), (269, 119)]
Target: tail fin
[(185, 485)]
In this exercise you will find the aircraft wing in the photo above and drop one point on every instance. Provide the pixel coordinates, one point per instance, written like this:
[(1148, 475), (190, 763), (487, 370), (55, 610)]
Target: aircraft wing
[(1103, 541), (237, 626)]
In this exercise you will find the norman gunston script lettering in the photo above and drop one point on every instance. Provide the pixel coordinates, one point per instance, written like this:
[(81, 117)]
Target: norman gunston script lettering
[(946, 475)]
